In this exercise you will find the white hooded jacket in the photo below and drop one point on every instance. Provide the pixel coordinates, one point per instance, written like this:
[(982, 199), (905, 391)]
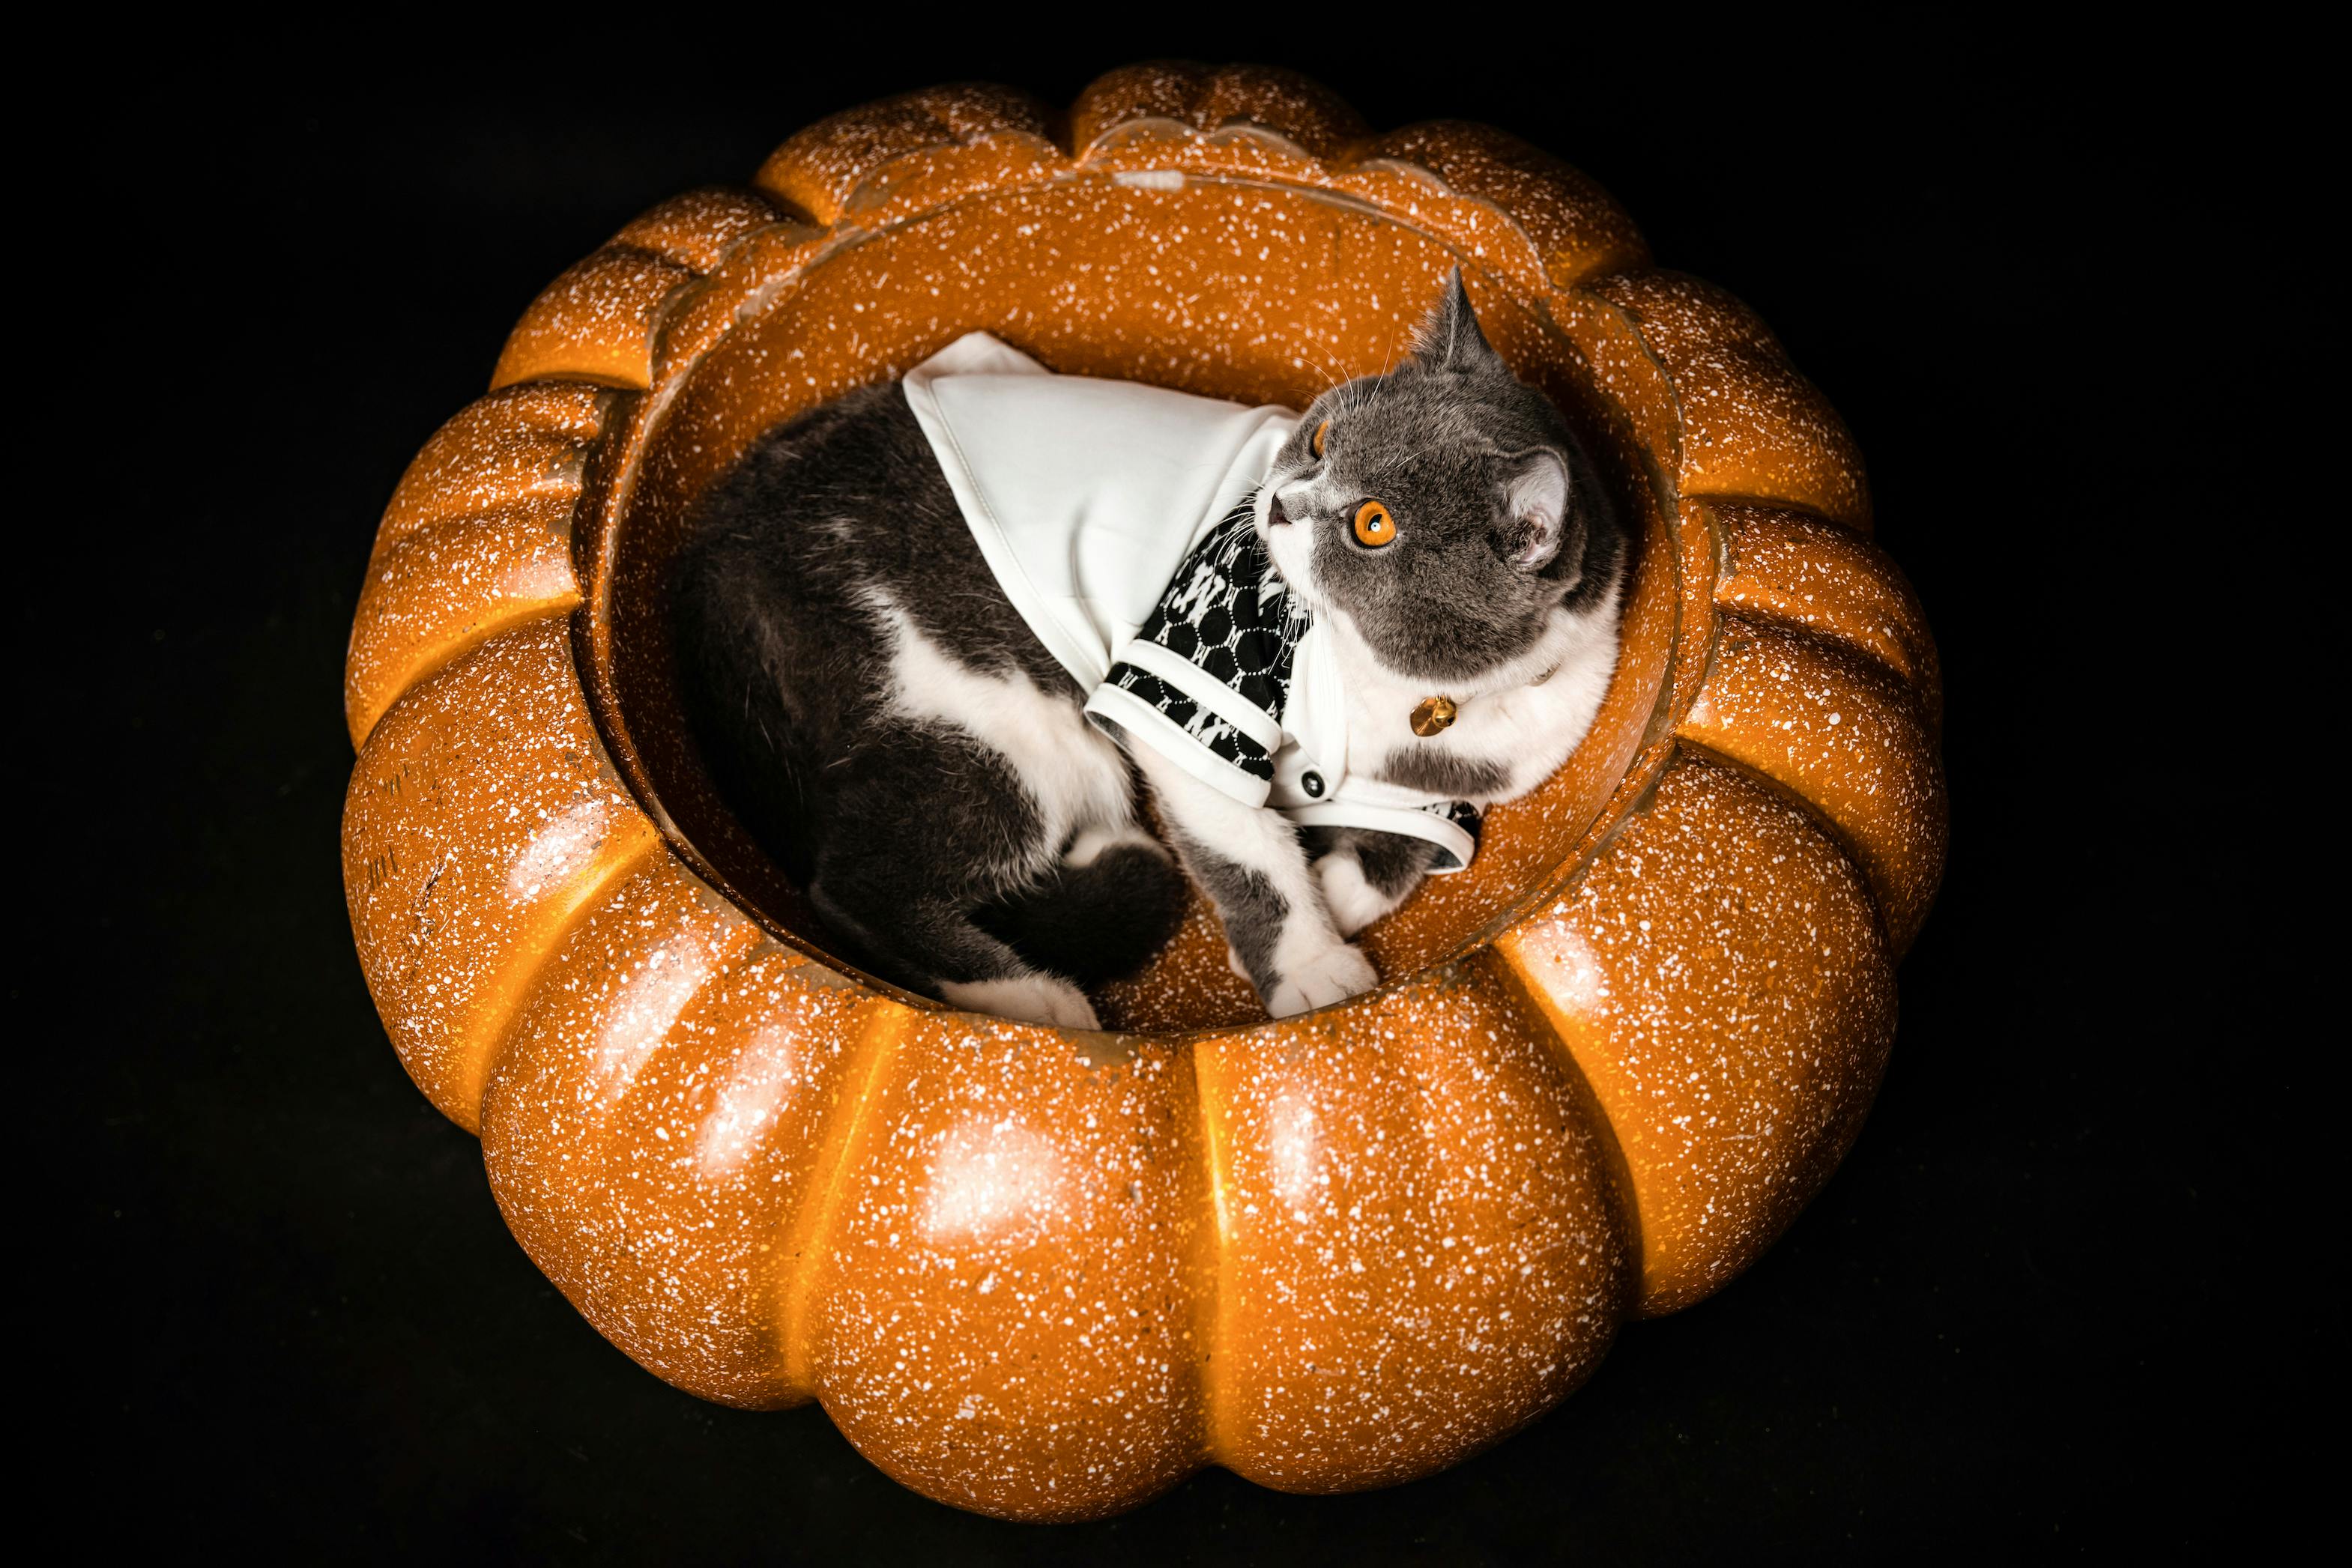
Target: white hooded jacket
[(1121, 520)]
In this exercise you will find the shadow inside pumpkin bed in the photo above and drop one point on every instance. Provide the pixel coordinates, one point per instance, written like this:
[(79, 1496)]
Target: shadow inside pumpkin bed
[(1190, 319)]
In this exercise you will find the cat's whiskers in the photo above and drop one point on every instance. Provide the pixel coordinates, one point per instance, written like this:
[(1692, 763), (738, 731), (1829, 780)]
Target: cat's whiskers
[(1332, 379)]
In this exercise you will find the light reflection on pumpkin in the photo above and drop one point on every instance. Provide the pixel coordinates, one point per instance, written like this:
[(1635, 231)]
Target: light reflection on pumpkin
[(560, 848), (990, 1183), (648, 1009), (764, 1077)]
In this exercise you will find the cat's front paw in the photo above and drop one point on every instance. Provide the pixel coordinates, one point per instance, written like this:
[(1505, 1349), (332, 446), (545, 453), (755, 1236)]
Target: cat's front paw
[(1031, 999), (1336, 973), (1354, 903)]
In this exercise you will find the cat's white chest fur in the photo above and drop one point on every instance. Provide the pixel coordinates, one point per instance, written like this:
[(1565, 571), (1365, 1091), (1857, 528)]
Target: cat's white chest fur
[(1519, 734)]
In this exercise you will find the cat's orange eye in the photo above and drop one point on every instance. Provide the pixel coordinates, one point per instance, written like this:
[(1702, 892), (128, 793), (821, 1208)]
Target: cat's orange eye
[(1374, 527), (1315, 442)]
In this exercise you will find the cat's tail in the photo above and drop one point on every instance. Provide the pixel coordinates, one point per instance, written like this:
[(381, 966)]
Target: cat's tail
[(1095, 922)]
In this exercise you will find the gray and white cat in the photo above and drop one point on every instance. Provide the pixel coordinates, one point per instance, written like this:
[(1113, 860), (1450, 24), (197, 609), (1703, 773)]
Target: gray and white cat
[(891, 729)]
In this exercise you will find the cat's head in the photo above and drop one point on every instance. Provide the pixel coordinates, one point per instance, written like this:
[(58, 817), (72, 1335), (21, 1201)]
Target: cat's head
[(1444, 510)]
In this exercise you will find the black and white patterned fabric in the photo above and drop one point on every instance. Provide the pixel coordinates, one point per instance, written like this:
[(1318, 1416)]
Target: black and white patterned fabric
[(1229, 616), (1465, 816)]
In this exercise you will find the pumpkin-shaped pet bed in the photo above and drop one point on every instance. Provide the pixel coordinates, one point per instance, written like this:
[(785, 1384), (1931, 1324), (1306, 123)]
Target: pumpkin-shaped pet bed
[(1047, 1274)]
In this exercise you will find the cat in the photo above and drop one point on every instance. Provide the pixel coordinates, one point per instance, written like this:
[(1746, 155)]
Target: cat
[(1423, 569)]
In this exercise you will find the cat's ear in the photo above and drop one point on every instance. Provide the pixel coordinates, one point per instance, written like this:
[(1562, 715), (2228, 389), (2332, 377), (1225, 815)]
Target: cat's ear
[(1450, 338), (1535, 499)]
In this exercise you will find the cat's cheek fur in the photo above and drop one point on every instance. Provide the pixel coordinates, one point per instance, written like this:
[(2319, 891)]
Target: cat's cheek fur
[(1291, 547)]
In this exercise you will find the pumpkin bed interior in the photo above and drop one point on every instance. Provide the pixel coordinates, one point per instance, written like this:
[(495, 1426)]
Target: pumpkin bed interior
[(1230, 289)]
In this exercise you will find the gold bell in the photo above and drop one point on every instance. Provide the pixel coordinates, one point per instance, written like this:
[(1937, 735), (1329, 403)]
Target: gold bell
[(1432, 715)]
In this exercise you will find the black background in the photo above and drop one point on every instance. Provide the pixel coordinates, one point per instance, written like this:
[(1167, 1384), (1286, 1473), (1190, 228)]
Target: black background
[(2052, 1300)]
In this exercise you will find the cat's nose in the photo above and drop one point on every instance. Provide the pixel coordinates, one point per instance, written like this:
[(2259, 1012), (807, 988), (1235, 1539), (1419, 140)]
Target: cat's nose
[(1274, 515)]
